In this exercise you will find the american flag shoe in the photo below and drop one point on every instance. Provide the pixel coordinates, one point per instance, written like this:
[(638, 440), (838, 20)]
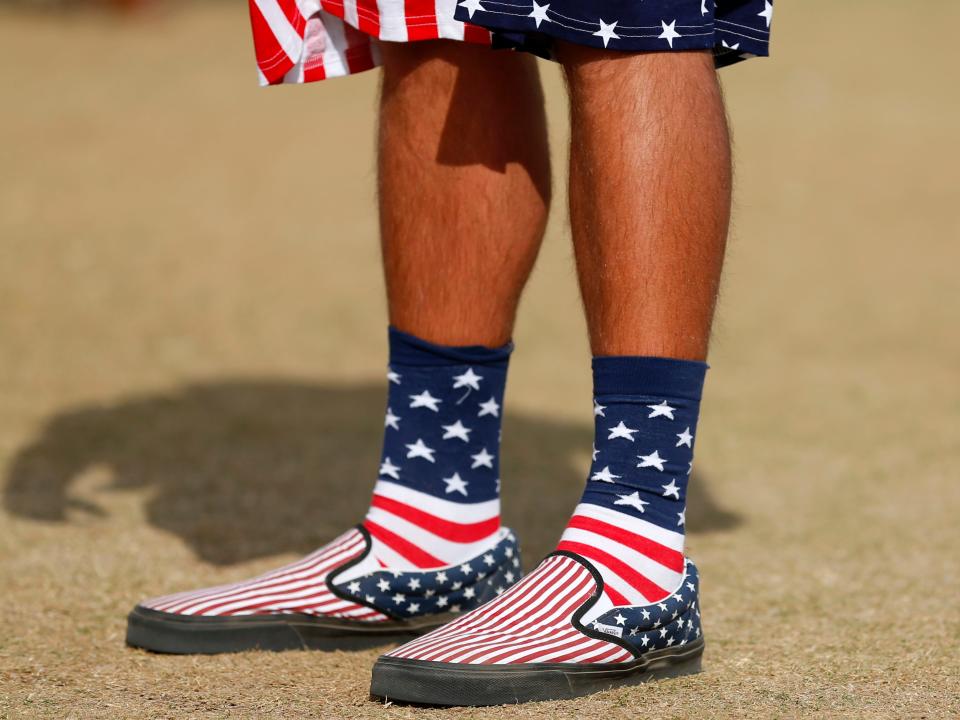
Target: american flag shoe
[(338, 597), (548, 637)]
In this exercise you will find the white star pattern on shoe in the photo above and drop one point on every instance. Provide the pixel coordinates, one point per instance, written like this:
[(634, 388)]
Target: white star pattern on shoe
[(472, 6), (651, 460), (661, 410), (425, 399), (391, 420), (539, 13), (620, 619), (457, 430), (605, 475), (469, 379), (633, 500), (419, 449), (683, 518), (621, 431), (671, 490), (607, 32), (598, 409), (482, 459), (388, 468), (767, 13), (669, 32), (393, 377), (684, 438), (490, 407), (456, 484)]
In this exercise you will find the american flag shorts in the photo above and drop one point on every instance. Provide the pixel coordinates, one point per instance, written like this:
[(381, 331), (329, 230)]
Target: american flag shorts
[(299, 41)]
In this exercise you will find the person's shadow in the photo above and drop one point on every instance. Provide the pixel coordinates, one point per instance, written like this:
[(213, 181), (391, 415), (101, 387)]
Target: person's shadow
[(247, 469)]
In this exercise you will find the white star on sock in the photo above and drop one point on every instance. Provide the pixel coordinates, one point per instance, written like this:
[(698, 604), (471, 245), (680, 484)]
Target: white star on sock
[(425, 399), (685, 438), (490, 407), (482, 459), (651, 460), (468, 379), (419, 449), (633, 500), (391, 420), (456, 484), (671, 489), (605, 475), (457, 430), (388, 468), (621, 431), (661, 409)]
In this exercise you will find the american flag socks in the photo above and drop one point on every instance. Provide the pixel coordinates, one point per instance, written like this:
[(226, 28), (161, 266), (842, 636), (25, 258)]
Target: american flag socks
[(430, 548), (631, 519), (437, 500), (618, 602)]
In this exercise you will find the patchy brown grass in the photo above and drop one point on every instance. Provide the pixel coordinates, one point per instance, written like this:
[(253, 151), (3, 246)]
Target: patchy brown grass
[(192, 339)]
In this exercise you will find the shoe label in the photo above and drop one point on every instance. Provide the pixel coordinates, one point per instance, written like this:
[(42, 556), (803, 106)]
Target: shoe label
[(614, 630)]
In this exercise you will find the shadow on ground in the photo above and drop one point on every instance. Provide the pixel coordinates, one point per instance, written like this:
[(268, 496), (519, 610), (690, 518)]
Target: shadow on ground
[(246, 469)]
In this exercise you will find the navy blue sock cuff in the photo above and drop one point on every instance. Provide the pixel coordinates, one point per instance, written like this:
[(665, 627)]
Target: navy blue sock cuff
[(653, 376), (407, 349)]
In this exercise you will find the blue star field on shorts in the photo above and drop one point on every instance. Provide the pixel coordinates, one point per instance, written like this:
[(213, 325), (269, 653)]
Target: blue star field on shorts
[(733, 29)]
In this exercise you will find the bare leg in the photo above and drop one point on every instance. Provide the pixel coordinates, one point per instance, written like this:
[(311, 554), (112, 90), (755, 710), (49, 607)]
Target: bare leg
[(464, 188), (649, 198)]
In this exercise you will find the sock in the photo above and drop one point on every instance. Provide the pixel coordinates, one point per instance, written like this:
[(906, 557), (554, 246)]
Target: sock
[(437, 499), (630, 520)]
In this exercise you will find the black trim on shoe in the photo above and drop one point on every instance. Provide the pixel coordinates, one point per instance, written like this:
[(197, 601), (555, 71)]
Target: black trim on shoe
[(349, 564), (171, 633), (590, 602), (423, 682)]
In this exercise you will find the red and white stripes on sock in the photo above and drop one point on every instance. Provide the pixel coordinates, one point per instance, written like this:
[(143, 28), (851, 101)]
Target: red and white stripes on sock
[(631, 519), (437, 500)]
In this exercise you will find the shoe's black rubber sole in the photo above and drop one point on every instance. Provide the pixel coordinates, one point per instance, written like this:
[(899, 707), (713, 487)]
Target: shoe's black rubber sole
[(435, 683), (189, 634)]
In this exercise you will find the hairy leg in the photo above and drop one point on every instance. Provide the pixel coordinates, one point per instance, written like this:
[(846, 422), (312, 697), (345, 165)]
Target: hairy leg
[(464, 188), (650, 185)]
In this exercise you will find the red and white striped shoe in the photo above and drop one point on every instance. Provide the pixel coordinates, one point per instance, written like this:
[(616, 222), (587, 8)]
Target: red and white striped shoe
[(553, 635), (337, 598)]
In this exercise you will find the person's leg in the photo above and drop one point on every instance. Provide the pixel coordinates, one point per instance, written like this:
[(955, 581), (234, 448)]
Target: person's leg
[(464, 187), (650, 188), (649, 197), (650, 185), (464, 182)]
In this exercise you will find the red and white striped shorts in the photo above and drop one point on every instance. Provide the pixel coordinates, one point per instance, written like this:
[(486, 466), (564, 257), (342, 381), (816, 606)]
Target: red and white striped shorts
[(299, 41)]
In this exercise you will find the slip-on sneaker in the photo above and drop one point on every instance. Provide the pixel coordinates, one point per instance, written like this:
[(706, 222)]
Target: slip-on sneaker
[(337, 598), (553, 635)]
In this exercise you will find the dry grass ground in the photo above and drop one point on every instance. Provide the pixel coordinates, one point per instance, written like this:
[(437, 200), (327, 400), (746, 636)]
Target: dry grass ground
[(192, 348)]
